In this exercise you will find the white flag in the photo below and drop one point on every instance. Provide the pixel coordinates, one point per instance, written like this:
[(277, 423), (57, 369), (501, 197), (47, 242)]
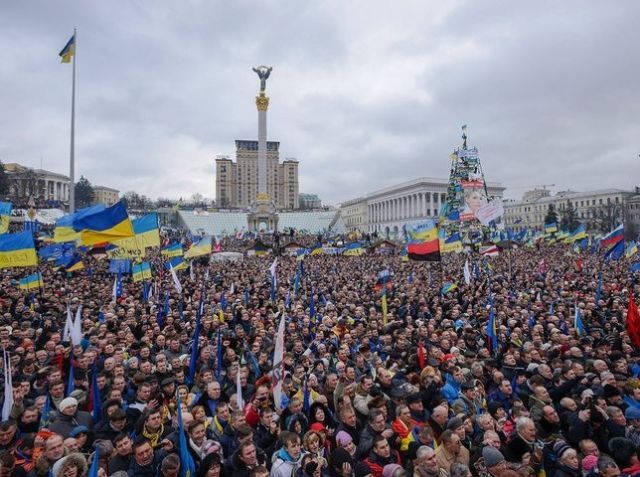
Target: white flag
[(176, 282), (278, 368), (114, 291), (233, 288), (76, 328), (66, 334), (8, 387), (206, 275), (192, 274), (240, 399), (272, 270), (467, 273)]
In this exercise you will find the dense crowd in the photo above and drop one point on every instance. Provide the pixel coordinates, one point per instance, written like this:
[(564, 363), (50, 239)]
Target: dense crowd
[(419, 391)]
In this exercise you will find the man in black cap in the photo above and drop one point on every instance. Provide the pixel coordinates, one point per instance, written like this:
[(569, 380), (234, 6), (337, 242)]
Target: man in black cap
[(467, 403), (418, 413)]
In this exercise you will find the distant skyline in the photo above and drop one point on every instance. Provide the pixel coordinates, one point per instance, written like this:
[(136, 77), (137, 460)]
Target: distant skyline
[(364, 94)]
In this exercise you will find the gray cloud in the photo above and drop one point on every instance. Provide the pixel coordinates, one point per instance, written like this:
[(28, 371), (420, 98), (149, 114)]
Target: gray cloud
[(364, 93)]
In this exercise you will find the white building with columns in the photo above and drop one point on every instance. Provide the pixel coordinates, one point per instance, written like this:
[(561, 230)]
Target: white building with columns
[(387, 210)]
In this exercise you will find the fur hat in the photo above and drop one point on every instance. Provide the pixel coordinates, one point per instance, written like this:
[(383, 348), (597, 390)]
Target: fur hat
[(75, 459)]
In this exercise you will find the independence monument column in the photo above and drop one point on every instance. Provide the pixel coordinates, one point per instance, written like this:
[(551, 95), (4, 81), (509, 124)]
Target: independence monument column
[(263, 210), (262, 103)]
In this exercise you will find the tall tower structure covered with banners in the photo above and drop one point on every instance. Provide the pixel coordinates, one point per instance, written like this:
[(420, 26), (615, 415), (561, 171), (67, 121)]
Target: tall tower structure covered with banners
[(468, 209)]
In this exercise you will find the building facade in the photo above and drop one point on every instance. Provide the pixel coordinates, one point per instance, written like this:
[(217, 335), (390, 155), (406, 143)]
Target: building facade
[(237, 182), (44, 188), (600, 210), (105, 195), (309, 201), (387, 210)]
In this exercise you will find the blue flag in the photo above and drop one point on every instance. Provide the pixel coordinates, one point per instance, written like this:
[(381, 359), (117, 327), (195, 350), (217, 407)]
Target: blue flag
[(223, 302), (578, 325), (45, 417), (287, 300), (312, 306), (100, 317), (599, 290), (247, 299), (195, 345), (187, 466), (95, 463), (635, 267), (71, 383), (96, 399)]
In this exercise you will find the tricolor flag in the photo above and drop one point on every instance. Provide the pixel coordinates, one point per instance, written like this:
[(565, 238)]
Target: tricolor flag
[(612, 238), (489, 250)]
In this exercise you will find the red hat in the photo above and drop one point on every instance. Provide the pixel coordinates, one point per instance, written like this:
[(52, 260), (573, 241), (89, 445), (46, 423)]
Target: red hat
[(317, 426)]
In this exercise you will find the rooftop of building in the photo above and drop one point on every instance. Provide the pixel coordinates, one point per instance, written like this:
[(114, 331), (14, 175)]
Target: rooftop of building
[(15, 168), (251, 145), (570, 195), (228, 223), (106, 189)]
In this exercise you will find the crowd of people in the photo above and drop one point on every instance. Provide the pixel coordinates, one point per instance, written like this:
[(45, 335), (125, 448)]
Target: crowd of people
[(420, 390)]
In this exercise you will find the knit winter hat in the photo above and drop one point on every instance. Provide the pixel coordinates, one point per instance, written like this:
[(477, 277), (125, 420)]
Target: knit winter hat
[(343, 438), (559, 448), (338, 457), (67, 402), (492, 456), (589, 463), (361, 470), (390, 469)]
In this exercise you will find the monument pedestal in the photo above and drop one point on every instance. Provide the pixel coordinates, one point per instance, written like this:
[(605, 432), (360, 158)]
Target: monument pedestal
[(262, 211)]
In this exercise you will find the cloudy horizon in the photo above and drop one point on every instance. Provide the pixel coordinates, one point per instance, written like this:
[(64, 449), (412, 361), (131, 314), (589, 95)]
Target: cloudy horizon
[(365, 95)]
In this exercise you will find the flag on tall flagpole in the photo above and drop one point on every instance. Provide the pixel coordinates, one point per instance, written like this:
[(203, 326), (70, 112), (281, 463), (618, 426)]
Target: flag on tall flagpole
[(278, 368), (176, 282), (467, 273), (95, 463), (69, 50), (8, 386)]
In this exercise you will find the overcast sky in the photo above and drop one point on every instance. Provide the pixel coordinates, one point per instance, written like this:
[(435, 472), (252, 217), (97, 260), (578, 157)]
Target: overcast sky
[(365, 94)]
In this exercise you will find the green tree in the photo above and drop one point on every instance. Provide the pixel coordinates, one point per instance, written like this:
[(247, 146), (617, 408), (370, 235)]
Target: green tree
[(569, 220), (552, 215), (4, 182), (84, 192)]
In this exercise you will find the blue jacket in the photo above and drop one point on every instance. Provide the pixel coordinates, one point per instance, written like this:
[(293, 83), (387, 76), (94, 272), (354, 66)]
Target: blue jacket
[(451, 390)]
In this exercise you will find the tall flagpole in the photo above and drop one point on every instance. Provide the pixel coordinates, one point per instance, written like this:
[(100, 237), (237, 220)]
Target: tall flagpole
[(72, 185)]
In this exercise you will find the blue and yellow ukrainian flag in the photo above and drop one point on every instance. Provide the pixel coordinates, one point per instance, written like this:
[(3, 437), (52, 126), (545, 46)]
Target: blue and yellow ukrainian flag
[(64, 232), (199, 248), (141, 271), (447, 287), (147, 234), (579, 233), (76, 264), (631, 249), (32, 281), (111, 224), (550, 228), (353, 250), (5, 216), (178, 263), (317, 250), (173, 250), (17, 250), (451, 244), (69, 50)]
